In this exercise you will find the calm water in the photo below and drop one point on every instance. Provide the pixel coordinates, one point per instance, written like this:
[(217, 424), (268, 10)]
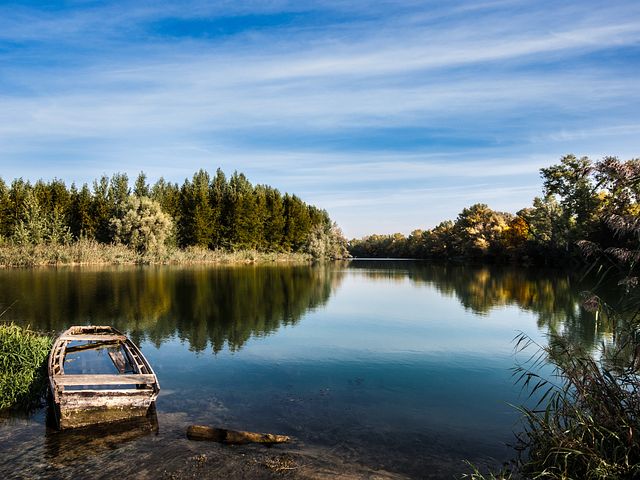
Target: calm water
[(396, 365)]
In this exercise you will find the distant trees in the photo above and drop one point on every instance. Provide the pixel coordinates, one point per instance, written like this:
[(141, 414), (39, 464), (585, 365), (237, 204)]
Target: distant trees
[(205, 211), (579, 195)]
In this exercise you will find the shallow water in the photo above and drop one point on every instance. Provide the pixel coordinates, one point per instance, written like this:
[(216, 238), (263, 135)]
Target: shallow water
[(395, 365)]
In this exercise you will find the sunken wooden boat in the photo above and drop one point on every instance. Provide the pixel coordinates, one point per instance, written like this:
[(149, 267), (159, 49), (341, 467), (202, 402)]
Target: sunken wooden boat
[(98, 375)]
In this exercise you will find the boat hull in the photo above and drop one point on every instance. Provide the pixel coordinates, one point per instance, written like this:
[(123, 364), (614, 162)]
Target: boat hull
[(82, 408), (82, 399)]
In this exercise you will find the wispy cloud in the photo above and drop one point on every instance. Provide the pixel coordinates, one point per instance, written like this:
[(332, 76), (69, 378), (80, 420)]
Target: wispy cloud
[(330, 100)]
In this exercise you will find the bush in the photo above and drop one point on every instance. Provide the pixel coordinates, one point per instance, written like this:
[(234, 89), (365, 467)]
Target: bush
[(142, 225)]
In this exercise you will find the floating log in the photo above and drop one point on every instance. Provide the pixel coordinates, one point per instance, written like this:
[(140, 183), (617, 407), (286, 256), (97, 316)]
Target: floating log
[(232, 437)]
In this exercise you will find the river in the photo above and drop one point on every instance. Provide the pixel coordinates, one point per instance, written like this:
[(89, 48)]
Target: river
[(401, 367)]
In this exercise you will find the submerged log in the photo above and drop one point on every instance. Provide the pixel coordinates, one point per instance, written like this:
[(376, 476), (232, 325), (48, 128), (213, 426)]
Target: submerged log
[(232, 437)]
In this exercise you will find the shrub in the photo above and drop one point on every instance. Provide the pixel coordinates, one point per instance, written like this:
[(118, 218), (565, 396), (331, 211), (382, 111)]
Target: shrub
[(142, 225)]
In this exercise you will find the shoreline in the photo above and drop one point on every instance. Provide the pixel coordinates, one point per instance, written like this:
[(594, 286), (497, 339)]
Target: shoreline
[(92, 253)]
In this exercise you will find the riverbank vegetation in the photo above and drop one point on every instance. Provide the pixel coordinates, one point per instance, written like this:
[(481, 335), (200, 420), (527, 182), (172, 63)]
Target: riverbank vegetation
[(23, 354), (586, 423), (579, 195), (206, 219)]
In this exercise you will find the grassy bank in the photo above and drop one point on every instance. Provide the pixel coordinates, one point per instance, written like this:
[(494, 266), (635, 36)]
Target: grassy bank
[(90, 252), (23, 354)]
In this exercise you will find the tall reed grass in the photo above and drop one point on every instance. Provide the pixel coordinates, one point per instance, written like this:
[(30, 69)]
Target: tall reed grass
[(23, 354), (586, 422), (90, 252)]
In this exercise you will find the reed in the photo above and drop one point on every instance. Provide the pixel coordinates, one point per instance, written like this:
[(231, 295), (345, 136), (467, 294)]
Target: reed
[(90, 252), (585, 423), (589, 424), (23, 355)]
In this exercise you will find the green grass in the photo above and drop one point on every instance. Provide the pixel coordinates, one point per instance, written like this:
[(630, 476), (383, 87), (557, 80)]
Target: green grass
[(23, 354)]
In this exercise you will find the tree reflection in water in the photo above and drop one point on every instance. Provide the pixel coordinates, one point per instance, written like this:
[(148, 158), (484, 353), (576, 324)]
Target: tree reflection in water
[(204, 306), (554, 296), (217, 306)]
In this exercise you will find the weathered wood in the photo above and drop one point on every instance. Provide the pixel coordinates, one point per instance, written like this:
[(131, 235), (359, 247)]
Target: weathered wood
[(118, 360), (84, 337), (88, 402), (234, 437), (104, 379)]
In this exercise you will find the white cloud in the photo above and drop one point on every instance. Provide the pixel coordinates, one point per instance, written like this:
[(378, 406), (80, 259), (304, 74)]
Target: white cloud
[(504, 87)]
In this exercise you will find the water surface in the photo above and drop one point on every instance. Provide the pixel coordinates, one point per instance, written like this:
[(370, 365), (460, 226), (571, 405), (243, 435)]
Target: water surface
[(395, 365)]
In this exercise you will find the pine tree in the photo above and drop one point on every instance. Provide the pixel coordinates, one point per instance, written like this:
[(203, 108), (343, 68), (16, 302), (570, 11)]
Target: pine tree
[(274, 222), (100, 209), (81, 221), (196, 221), (243, 221)]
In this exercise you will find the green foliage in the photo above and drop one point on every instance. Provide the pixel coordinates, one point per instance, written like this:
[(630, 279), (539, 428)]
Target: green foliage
[(206, 212), (37, 227), (196, 226), (479, 229), (586, 420), (141, 189), (327, 242), (22, 358), (578, 196), (142, 225)]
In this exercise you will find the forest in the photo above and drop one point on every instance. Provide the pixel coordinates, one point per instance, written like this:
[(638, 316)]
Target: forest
[(580, 198), (210, 212)]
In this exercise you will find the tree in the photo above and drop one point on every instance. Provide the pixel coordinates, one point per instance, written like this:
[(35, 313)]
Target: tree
[(32, 226), (119, 192), (81, 221), (196, 219), (479, 230), (571, 181), (37, 227), (5, 210), (621, 184), (167, 194), (142, 225), (297, 223), (547, 223), (327, 243), (100, 211), (219, 200), (141, 188), (242, 215), (274, 221)]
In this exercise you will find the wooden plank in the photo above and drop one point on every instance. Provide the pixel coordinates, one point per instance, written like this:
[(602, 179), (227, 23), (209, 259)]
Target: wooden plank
[(118, 360), (93, 337), (93, 346), (142, 392), (101, 379)]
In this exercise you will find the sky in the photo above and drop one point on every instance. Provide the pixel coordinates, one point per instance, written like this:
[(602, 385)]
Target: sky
[(391, 115)]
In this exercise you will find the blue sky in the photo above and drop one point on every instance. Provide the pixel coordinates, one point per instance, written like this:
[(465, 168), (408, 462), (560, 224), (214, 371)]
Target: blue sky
[(392, 115)]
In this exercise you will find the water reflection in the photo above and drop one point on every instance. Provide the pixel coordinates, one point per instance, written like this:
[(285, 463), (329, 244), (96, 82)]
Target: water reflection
[(384, 367), (554, 296), (64, 448), (226, 306), (203, 306)]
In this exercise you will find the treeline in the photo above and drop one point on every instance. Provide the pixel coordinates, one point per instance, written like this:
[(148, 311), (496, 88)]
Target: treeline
[(206, 211), (580, 197)]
